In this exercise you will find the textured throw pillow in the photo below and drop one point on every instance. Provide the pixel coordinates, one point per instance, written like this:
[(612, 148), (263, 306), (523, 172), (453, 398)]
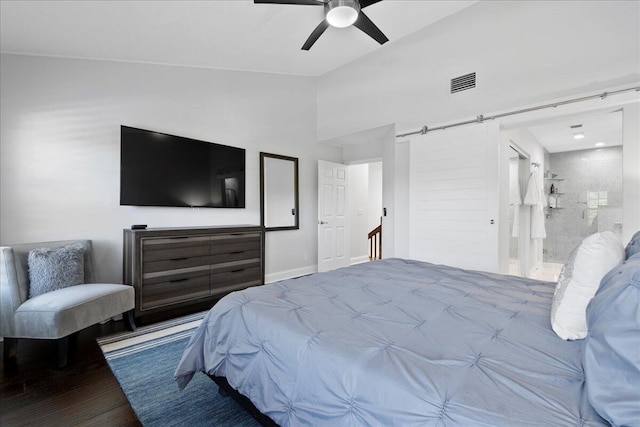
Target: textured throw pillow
[(579, 280), (55, 268), (611, 356)]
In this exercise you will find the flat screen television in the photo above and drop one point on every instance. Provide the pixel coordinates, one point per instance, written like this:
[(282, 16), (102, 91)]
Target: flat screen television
[(157, 169)]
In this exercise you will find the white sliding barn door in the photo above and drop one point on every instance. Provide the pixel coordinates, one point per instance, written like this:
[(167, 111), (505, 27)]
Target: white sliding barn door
[(453, 198), (333, 220)]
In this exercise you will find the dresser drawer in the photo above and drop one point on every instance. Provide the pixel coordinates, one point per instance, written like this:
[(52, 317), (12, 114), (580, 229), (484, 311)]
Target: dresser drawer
[(235, 256), (175, 276), (239, 278), (164, 243), (175, 264), (235, 243), (175, 253), (161, 253), (174, 291)]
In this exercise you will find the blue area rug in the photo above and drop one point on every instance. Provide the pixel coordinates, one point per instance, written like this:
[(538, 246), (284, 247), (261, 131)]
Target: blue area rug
[(144, 362)]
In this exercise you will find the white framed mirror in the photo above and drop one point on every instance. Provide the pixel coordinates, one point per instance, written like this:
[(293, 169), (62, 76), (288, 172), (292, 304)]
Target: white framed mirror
[(278, 192)]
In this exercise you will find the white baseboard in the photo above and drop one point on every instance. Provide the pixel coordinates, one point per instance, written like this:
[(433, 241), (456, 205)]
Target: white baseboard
[(290, 274), (297, 272), (359, 259)]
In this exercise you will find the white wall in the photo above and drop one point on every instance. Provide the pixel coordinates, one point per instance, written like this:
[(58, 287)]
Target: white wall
[(374, 202), (358, 153), (60, 146), (399, 184), (358, 211), (524, 53)]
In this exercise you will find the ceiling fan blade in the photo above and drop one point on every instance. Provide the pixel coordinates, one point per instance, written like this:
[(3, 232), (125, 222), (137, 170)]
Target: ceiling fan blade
[(301, 2), (364, 23), (315, 34), (365, 3)]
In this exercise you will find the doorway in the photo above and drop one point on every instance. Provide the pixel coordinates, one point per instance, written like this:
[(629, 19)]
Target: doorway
[(518, 172), (365, 207), (581, 169), (367, 155), (349, 207)]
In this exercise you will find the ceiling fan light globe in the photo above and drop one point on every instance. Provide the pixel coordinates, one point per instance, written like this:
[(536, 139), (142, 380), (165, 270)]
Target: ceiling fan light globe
[(342, 13)]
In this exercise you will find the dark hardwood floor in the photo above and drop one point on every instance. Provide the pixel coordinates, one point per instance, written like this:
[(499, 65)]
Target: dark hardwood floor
[(84, 393)]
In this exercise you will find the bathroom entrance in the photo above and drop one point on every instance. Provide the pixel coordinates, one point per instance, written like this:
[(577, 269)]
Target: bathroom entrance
[(581, 173), (584, 184), (519, 167)]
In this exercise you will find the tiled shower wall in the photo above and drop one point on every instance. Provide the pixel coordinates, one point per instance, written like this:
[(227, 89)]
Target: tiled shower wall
[(589, 183)]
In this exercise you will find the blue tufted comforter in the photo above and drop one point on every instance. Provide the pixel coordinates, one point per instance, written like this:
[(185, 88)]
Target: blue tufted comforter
[(395, 342)]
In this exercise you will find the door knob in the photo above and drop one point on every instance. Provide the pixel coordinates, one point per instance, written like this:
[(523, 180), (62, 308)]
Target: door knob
[(322, 222)]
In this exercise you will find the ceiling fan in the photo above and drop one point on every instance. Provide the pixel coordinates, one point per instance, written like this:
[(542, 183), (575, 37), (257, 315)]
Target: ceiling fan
[(340, 14)]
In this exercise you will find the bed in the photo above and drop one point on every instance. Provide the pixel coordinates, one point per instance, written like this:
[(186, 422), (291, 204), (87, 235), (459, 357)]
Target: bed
[(395, 342)]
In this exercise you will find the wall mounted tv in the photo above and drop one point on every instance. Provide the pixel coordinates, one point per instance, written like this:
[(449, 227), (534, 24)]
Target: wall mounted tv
[(157, 169)]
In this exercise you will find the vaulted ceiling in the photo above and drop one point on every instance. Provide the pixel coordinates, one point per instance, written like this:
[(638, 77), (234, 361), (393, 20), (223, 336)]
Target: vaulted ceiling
[(225, 34), (236, 35)]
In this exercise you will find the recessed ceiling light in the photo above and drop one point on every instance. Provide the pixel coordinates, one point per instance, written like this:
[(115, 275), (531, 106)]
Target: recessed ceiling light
[(579, 135), (600, 144)]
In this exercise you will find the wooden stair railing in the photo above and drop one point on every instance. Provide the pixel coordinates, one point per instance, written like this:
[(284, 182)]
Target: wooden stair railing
[(375, 243)]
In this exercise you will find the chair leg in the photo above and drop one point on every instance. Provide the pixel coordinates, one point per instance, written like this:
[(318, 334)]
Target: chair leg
[(63, 351), (10, 349), (129, 320)]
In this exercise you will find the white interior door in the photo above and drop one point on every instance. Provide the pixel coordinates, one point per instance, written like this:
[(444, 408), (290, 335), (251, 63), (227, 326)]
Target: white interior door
[(333, 221), (452, 200)]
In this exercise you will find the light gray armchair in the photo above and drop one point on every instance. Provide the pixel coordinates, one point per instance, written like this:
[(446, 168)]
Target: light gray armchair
[(59, 313)]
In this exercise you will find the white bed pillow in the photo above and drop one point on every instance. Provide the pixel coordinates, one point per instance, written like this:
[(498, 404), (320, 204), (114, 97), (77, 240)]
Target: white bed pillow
[(579, 280)]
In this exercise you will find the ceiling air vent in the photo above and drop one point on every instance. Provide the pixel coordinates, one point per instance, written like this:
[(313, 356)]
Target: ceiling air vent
[(458, 84)]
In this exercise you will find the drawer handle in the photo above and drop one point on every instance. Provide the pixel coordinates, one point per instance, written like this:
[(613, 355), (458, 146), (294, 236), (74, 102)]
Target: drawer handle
[(237, 271), (178, 259), (180, 237), (236, 252), (178, 280)]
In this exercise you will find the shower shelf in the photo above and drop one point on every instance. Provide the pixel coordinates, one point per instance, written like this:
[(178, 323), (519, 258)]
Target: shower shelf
[(547, 213)]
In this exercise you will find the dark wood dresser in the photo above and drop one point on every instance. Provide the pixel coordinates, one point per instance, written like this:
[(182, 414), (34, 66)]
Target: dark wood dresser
[(177, 267)]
